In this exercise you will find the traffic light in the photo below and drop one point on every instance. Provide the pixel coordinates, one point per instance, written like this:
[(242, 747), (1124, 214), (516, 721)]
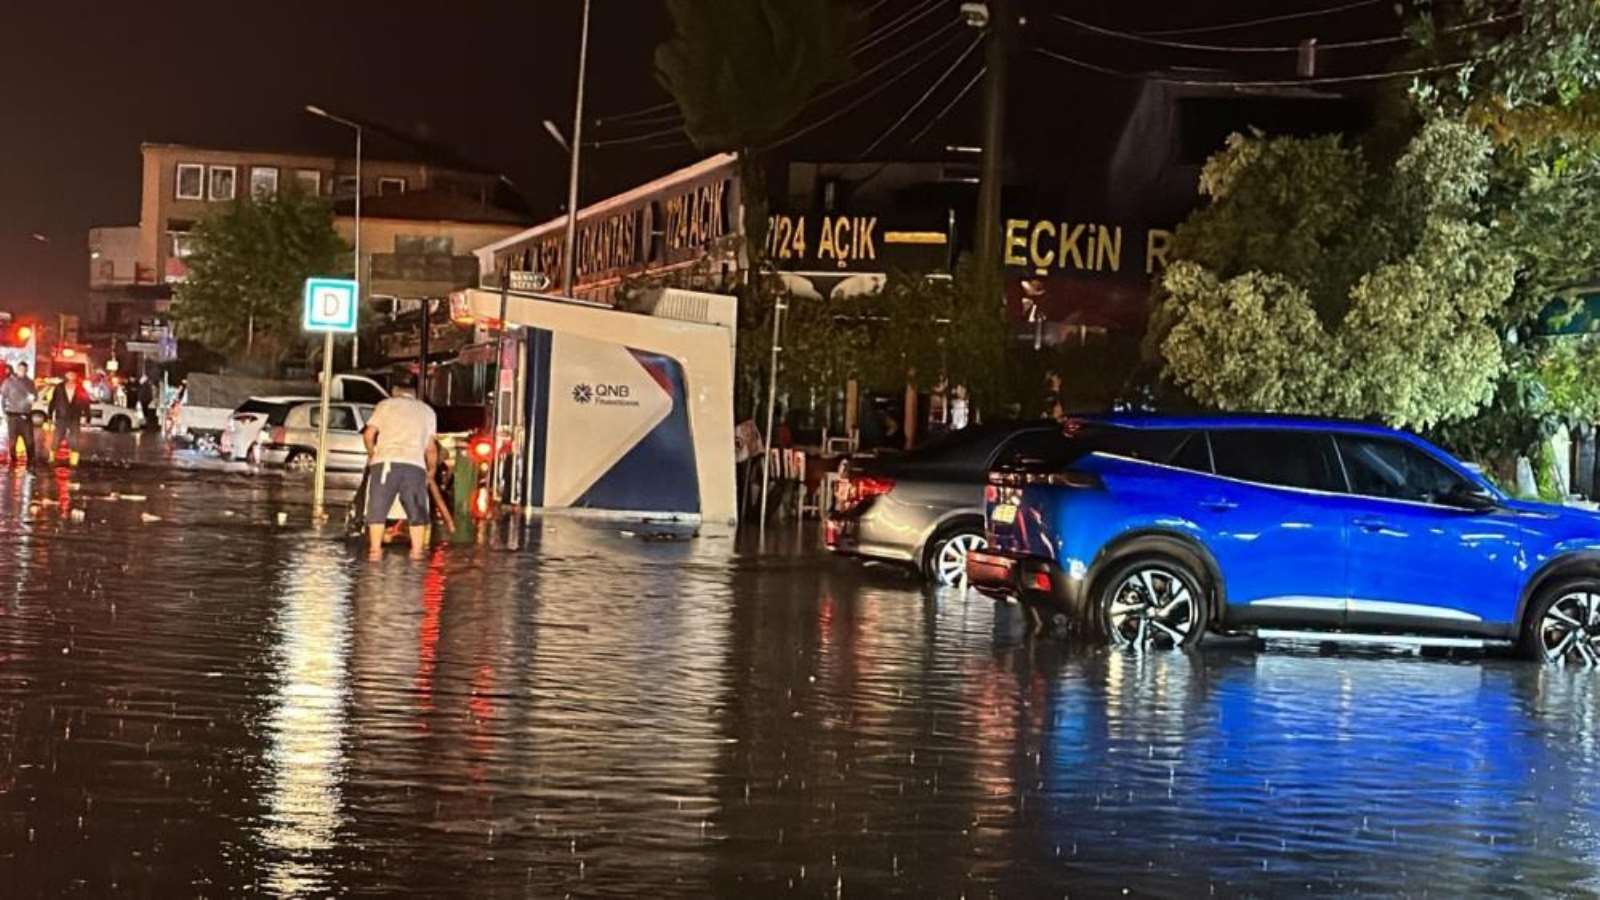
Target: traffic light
[(481, 449)]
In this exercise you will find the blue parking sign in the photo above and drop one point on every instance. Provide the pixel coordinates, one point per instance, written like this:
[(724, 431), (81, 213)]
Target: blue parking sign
[(330, 305)]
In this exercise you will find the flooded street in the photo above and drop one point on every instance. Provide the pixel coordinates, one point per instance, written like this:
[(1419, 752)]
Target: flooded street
[(195, 701)]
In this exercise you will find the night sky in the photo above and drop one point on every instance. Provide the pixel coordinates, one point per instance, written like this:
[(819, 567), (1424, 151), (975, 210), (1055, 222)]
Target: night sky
[(82, 84)]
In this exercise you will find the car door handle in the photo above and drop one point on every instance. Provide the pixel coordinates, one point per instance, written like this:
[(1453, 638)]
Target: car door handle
[(1218, 504), (1370, 523)]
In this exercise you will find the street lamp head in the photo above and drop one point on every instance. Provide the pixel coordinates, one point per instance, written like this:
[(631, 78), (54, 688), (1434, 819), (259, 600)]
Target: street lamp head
[(316, 110), (556, 135)]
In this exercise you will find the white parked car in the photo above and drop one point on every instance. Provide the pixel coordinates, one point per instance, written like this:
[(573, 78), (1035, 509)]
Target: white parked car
[(243, 429), (108, 416), (289, 439)]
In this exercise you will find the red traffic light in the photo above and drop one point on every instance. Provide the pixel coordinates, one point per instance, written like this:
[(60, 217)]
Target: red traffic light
[(24, 333), (482, 449)]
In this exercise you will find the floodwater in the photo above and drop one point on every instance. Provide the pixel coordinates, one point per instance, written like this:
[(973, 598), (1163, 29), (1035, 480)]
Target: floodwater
[(208, 704)]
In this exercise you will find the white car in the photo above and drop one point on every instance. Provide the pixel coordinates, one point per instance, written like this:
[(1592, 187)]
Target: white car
[(243, 431), (290, 437), (108, 416)]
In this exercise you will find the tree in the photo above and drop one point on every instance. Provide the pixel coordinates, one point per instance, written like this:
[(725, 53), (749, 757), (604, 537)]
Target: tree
[(248, 270), (742, 71), (1313, 284), (1532, 83)]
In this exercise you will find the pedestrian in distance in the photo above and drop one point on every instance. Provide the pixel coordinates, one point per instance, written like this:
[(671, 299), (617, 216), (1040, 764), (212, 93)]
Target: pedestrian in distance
[(1052, 407), (147, 400), (16, 398), (69, 404), (401, 455)]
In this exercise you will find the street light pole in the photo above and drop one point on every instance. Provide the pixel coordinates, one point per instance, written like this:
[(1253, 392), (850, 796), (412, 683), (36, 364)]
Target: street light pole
[(355, 339), (569, 262)]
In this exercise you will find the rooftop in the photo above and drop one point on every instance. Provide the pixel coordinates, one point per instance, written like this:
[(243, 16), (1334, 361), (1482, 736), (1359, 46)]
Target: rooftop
[(432, 205)]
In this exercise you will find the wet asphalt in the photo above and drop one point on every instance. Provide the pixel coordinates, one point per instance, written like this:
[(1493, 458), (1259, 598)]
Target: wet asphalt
[(197, 701)]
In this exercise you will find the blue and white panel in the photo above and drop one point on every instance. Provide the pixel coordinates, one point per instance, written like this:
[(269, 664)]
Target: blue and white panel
[(615, 432)]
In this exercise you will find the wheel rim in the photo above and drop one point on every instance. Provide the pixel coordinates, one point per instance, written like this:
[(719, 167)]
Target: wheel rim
[(1570, 630), (950, 564), (1152, 609)]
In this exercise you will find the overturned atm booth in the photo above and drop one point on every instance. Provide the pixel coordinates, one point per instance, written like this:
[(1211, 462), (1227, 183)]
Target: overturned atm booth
[(612, 413)]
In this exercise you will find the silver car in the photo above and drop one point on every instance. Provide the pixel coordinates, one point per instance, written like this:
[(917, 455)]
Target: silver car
[(289, 438), (924, 509)]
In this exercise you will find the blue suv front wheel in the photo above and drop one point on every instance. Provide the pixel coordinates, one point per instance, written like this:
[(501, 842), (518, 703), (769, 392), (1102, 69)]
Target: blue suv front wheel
[(1563, 624), (1152, 602)]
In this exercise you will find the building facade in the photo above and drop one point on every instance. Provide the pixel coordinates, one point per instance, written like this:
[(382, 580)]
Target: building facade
[(181, 184)]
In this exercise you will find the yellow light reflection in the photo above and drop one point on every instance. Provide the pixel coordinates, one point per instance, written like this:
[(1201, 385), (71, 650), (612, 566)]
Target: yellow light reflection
[(308, 721)]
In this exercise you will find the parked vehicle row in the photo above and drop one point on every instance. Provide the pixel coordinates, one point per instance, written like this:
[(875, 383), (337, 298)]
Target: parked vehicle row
[(281, 432), (1150, 531)]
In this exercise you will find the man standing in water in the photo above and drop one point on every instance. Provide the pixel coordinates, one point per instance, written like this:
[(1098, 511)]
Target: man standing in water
[(16, 398), (401, 455)]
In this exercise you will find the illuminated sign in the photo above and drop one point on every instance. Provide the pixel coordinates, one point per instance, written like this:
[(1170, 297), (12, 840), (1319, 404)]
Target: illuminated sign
[(676, 223), (854, 243), (1047, 245)]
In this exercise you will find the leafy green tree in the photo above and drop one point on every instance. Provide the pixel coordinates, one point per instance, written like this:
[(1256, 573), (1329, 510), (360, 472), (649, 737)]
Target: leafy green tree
[(248, 270), (1532, 83), (1313, 284)]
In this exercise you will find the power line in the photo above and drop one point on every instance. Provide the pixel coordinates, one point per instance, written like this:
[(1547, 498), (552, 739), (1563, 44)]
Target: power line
[(904, 52), (649, 136), (1218, 48), (895, 26), (1273, 82), (1287, 17), (659, 107), (663, 113), (976, 42), (875, 91), (1274, 48), (961, 95)]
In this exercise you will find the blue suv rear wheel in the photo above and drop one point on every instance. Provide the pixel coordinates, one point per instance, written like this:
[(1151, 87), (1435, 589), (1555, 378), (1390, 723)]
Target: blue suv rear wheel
[(1153, 602)]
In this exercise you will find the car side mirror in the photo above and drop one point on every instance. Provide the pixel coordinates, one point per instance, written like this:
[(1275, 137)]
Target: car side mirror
[(1471, 497)]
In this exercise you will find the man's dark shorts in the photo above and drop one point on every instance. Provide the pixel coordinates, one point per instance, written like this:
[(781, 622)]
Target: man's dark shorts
[(386, 481)]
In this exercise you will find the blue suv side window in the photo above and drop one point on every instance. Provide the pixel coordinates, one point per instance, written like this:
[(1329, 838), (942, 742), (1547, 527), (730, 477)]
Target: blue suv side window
[(1297, 459), (1395, 471)]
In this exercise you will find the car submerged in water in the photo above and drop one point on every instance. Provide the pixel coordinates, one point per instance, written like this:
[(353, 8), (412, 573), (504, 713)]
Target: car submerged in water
[(1150, 531)]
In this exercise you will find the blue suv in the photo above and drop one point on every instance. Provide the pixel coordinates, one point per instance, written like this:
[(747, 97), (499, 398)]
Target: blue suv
[(1151, 530)]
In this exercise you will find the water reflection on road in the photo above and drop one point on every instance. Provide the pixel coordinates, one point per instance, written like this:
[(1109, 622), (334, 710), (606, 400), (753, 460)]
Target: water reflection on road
[(205, 703)]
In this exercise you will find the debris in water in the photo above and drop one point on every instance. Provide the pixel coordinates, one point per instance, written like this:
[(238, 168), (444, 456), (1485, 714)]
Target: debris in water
[(147, 517)]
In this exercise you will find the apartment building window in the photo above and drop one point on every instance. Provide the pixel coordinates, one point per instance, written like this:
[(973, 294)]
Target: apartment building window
[(183, 244), (263, 181), (224, 182), (391, 185), (191, 181), (345, 186), (309, 180)]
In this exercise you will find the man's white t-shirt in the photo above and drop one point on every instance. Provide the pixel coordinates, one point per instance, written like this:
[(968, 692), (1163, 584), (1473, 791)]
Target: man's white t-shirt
[(404, 426)]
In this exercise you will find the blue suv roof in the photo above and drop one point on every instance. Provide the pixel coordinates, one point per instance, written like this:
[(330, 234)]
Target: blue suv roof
[(1216, 421)]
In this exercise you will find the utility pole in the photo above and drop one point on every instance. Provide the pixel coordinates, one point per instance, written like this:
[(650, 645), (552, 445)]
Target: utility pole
[(997, 54), (569, 260)]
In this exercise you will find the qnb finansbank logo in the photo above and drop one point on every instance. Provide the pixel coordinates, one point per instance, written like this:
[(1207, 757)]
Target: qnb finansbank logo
[(585, 394)]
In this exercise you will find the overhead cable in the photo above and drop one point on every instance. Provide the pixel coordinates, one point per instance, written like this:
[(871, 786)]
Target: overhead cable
[(663, 113), (895, 26), (932, 89), (863, 98), (1273, 48), (1248, 23), (960, 95), (1264, 82)]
